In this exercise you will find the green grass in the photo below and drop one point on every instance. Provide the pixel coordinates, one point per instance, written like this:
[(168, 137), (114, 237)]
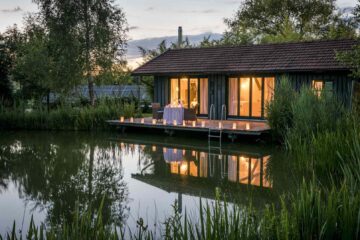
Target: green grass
[(65, 117)]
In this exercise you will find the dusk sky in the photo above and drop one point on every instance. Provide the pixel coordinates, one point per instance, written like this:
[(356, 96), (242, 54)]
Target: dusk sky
[(154, 18)]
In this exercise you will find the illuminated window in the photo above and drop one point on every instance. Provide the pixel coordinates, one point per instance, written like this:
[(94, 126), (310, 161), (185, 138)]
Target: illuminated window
[(192, 93), (318, 86), (247, 96)]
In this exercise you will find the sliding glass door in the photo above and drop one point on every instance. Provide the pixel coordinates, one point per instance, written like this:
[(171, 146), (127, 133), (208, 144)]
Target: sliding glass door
[(191, 93), (247, 96)]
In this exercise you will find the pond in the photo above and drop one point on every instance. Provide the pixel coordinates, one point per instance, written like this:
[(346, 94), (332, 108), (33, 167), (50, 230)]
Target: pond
[(47, 175)]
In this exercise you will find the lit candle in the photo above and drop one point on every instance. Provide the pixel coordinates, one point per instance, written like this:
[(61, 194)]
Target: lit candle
[(220, 125), (121, 119), (194, 124), (174, 122), (202, 124), (184, 123), (234, 126), (154, 148), (247, 127), (131, 119), (164, 121), (154, 121), (142, 120)]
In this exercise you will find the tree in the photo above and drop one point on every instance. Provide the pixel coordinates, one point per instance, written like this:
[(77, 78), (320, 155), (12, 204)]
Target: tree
[(284, 21), (352, 58), (94, 29), (5, 65)]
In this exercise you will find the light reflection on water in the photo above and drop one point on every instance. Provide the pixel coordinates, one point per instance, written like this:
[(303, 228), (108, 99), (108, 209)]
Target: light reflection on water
[(47, 175)]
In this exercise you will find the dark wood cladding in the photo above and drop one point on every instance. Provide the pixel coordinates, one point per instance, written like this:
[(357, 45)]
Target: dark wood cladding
[(161, 90), (218, 85), (342, 82), (244, 59)]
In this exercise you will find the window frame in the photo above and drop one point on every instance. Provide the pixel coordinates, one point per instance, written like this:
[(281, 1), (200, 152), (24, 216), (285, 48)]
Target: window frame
[(238, 77), (188, 85)]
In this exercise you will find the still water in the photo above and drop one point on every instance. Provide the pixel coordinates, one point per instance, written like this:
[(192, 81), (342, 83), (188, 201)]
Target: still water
[(48, 175)]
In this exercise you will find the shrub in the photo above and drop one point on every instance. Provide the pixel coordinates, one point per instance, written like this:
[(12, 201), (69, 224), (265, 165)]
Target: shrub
[(66, 117), (279, 111)]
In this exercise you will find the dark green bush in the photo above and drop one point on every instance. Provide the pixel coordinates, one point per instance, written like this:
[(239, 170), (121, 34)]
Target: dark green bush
[(66, 117)]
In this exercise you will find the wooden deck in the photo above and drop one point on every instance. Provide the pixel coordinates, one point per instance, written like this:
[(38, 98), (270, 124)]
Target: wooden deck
[(230, 127)]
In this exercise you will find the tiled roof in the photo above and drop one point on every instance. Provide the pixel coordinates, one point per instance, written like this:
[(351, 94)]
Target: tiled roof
[(285, 57)]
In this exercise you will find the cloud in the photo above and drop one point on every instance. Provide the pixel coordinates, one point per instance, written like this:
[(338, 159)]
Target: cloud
[(149, 9), (232, 2), (134, 27), (206, 11), (13, 10)]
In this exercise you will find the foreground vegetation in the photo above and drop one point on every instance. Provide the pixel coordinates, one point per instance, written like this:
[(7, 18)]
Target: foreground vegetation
[(326, 204), (66, 117)]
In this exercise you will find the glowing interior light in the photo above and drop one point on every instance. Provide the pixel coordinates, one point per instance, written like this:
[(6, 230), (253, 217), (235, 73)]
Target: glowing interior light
[(183, 167), (154, 121), (154, 148), (184, 123), (220, 125), (234, 126), (121, 119), (247, 127), (142, 120), (131, 119), (194, 124), (174, 122), (202, 124), (164, 121), (164, 150)]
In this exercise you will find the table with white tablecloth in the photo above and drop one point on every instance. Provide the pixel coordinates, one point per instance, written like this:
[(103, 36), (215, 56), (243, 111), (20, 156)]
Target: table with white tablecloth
[(173, 113)]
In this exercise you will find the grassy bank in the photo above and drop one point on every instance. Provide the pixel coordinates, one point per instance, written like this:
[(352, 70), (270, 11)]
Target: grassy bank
[(65, 117)]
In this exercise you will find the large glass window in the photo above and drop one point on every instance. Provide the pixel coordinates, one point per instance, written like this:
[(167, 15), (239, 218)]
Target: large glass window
[(174, 90), (256, 97), (244, 97), (204, 96), (233, 96), (191, 92), (247, 96)]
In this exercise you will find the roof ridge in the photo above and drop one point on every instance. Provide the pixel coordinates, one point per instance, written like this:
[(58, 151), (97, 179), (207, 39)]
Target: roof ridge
[(268, 44)]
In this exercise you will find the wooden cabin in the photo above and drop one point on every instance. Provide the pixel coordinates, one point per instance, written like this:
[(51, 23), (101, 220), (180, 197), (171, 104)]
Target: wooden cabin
[(243, 78)]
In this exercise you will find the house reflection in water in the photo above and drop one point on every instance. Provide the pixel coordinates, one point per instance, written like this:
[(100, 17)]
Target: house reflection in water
[(242, 169)]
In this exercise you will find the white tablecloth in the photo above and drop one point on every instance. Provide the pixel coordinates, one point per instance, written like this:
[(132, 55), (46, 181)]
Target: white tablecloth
[(171, 114)]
